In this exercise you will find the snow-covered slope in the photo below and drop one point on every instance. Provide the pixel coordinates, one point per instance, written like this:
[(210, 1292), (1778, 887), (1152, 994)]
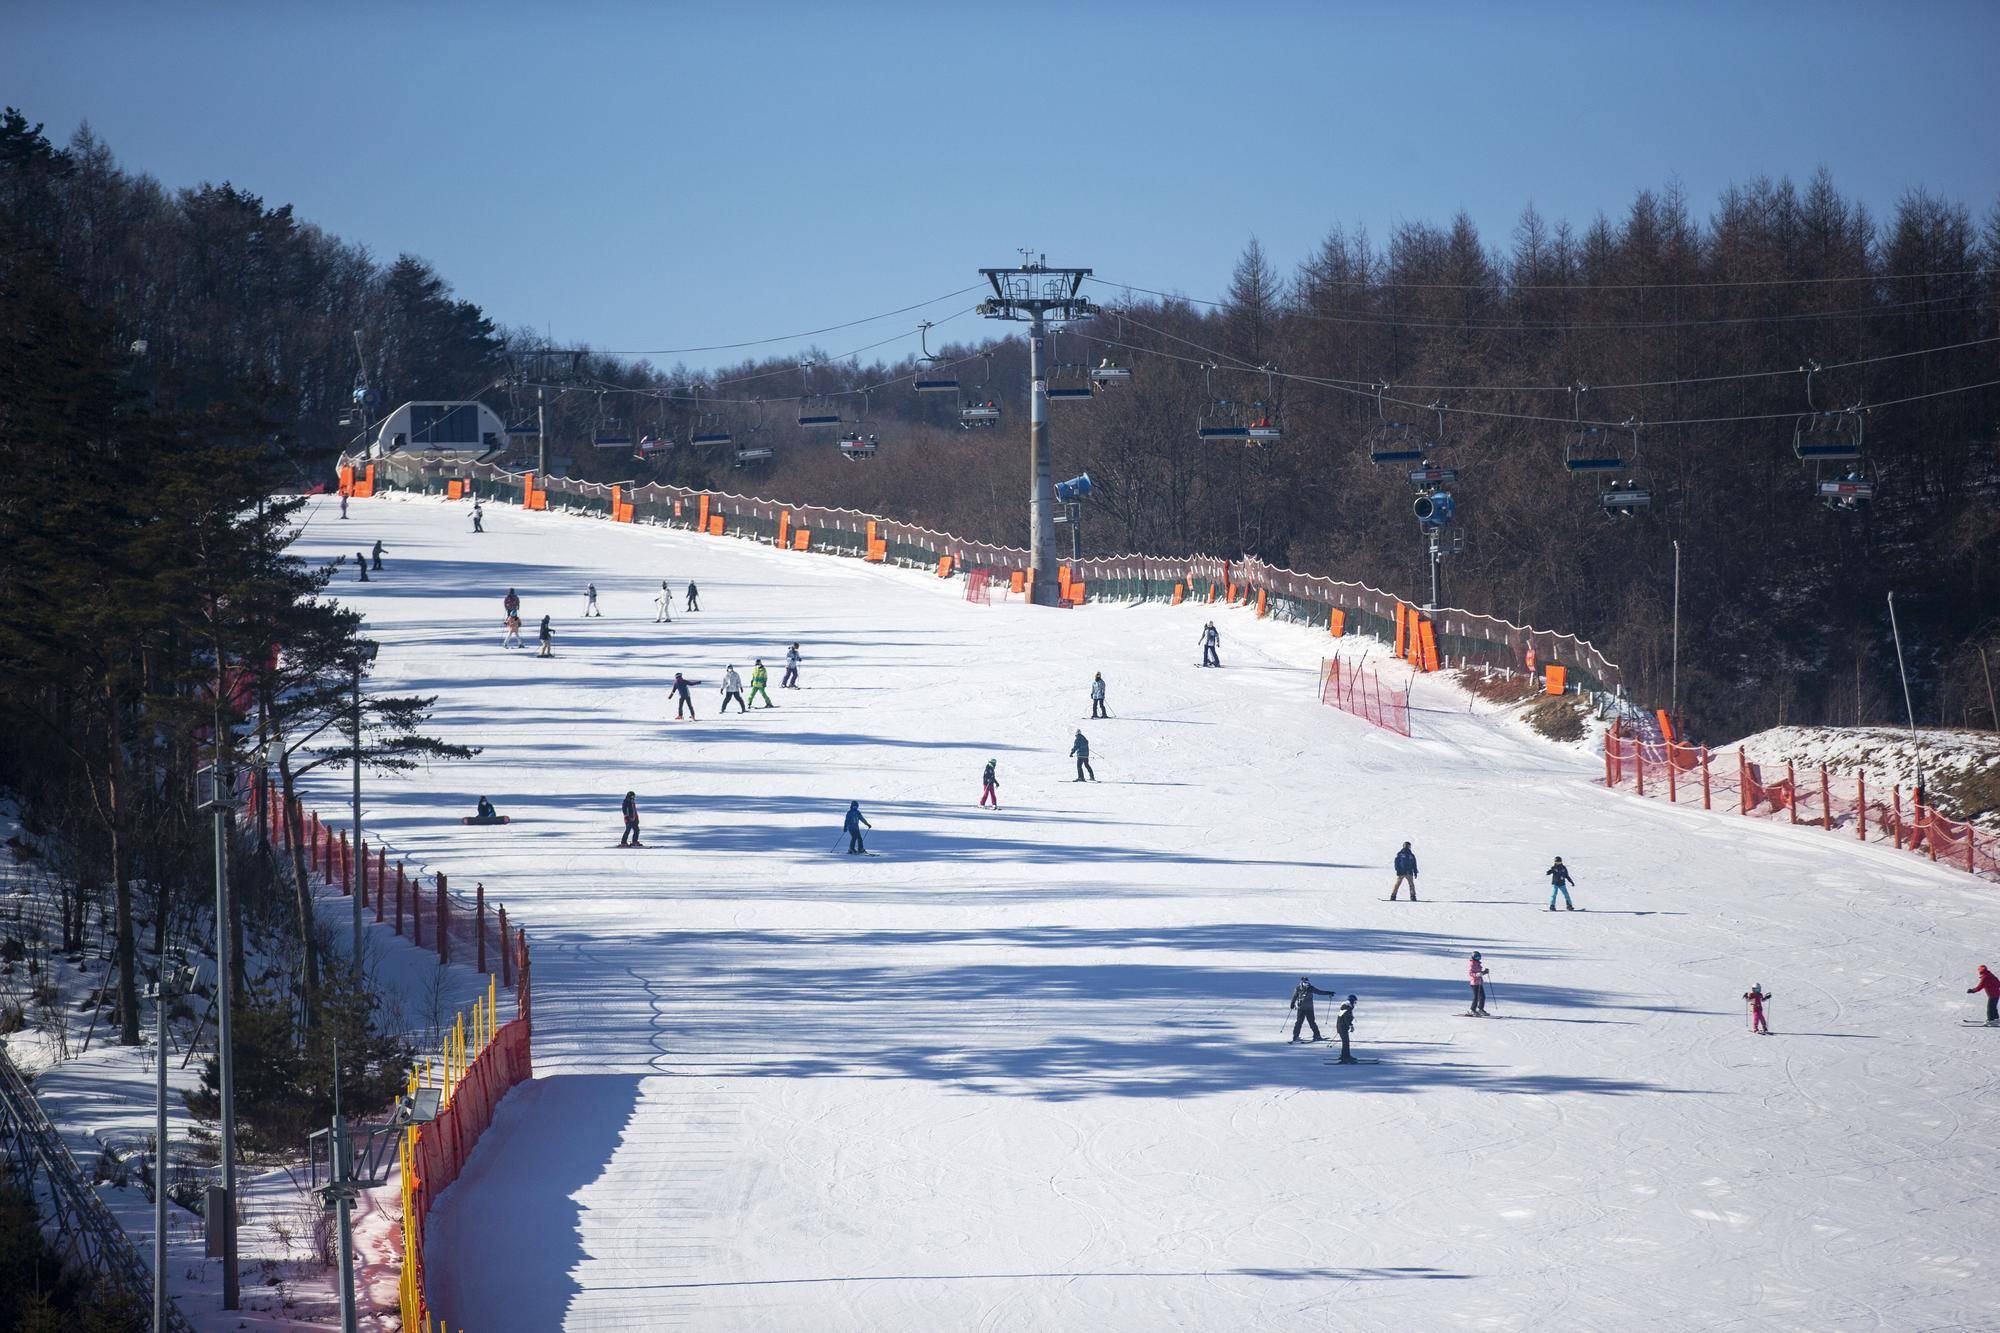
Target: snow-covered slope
[(1029, 1069), (1961, 768)]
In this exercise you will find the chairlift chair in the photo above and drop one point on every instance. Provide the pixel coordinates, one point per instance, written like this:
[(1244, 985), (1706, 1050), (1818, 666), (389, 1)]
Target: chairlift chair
[(931, 378), (975, 413), (1220, 420), (1592, 451), (653, 446), (1852, 491), (854, 445), (1264, 425), (1624, 499), (750, 455), (817, 412), (1107, 373), (1390, 442), (1068, 384), (710, 432), (1828, 436)]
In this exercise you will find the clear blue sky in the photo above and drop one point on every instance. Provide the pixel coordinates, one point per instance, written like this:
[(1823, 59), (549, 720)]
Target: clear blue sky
[(646, 176)]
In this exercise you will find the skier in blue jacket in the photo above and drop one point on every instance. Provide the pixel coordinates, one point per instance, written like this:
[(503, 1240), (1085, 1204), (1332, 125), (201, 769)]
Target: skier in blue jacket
[(856, 821)]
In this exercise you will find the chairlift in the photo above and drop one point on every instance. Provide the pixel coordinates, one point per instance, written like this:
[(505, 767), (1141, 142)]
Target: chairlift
[(1852, 491), (856, 446), (1220, 419), (653, 446), (1591, 448), (1624, 499), (980, 411), (1389, 441), (1068, 384), (1826, 436), (749, 455), (1265, 422), (1107, 373), (931, 378)]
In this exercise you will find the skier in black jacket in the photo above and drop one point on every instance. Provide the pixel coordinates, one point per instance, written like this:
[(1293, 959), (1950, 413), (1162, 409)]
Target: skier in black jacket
[(630, 838), (1080, 750), (1406, 869), (679, 691), (1302, 1004), (1343, 1024), (854, 823)]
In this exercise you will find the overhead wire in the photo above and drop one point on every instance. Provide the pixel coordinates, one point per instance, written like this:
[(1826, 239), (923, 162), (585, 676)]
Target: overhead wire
[(794, 337)]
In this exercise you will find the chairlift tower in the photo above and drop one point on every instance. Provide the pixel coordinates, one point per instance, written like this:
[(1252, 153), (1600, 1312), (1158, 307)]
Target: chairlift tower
[(1040, 295)]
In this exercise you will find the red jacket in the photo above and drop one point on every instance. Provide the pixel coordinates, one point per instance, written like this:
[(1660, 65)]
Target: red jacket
[(1987, 982), (1477, 971)]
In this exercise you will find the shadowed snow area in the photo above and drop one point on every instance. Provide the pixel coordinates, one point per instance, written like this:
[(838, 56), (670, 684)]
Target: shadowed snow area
[(1029, 1069)]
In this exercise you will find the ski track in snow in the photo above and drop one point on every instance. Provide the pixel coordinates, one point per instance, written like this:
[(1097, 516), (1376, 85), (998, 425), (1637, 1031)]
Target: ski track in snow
[(1025, 1069)]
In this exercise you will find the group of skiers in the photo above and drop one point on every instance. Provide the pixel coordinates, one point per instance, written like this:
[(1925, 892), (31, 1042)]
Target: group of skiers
[(1406, 873), (1303, 1016)]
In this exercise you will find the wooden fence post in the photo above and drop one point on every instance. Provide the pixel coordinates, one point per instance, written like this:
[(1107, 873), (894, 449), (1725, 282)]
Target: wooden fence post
[(1673, 787), (506, 972), (400, 881), (1825, 801), (1791, 792), (1704, 778), (1639, 763), (443, 922), (381, 877), (479, 923), (1861, 795), (1899, 817)]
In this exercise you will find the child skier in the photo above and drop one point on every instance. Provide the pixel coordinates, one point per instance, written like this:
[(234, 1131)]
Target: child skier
[(1559, 882), (513, 637), (1302, 1005), (1756, 995), (1343, 1025), (1210, 640), (343, 504), (679, 691), (990, 784), (759, 682), (1097, 696), (361, 563), (1991, 985), (791, 680), (590, 601), (1477, 973), (732, 688), (548, 638), (1080, 750), (853, 824), (1406, 869), (630, 809), (478, 517)]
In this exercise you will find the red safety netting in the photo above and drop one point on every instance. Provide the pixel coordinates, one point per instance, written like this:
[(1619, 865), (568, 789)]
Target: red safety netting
[(1360, 691), (979, 585), (1837, 802)]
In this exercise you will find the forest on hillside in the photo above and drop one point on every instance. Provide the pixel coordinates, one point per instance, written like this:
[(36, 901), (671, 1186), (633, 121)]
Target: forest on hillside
[(1691, 325)]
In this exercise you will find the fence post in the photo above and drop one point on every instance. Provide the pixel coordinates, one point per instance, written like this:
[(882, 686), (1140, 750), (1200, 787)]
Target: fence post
[(381, 877), (1704, 778), (1791, 792), (417, 910), (1899, 817), (1825, 801), (1639, 763), (399, 897), (361, 870), (443, 922), (346, 867), (479, 922), (1673, 783), (506, 972), (1971, 849), (1742, 781), (1610, 742), (1861, 795)]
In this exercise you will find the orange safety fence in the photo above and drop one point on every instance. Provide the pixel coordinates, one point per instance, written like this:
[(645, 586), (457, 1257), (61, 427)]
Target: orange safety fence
[(1359, 690), (1838, 802), (482, 1057)]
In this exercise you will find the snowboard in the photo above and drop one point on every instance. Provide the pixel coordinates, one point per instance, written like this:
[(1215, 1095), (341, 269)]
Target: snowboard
[(1356, 1061), (475, 819)]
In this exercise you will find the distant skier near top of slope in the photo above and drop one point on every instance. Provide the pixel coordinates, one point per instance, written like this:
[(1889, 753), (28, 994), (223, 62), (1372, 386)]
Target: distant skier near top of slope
[(663, 605), (693, 602), (1559, 882), (343, 504), (478, 517), (1991, 985), (1211, 639), (990, 785), (1097, 708), (852, 825), (1756, 995), (1406, 869), (1080, 750), (1343, 1025), (1302, 1006), (1477, 973), (732, 688)]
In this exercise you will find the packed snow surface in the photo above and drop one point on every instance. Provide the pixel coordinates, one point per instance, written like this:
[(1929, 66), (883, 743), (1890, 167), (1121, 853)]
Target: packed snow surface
[(1030, 1069)]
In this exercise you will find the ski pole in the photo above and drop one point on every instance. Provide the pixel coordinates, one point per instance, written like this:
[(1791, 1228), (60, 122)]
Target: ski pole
[(1489, 991)]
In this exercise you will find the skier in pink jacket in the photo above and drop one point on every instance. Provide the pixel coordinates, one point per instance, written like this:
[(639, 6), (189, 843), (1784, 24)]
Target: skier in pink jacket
[(1477, 972), (1756, 995)]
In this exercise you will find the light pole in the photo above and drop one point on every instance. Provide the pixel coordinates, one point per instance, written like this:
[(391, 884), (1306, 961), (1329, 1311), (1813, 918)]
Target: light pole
[(1909, 712), (345, 1161), (225, 1053), (1674, 690), (162, 992), (354, 863), (1039, 294)]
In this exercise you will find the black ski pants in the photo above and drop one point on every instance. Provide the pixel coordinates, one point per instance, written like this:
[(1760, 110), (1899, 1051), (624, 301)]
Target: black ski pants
[(737, 695), (1097, 708), (791, 680), (1993, 1008), (1478, 997), (1083, 767), (1306, 1019), (1345, 1054), (686, 703), (693, 602), (631, 835), (1209, 656), (854, 844)]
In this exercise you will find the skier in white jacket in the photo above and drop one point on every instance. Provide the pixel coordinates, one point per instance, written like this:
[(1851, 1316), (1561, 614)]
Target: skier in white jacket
[(664, 605), (732, 688)]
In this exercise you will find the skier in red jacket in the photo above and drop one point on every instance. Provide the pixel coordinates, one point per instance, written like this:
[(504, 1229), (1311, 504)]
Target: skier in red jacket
[(1991, 985)]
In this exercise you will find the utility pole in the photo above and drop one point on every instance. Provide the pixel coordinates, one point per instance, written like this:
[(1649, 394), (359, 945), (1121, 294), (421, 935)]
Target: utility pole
[(541, 435), (225, 977), (354, 859), (1437, 559), (1039, 294), (1674, 690)]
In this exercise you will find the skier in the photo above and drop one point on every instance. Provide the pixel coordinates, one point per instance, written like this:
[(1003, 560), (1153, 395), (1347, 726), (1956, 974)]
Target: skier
[(1756, 995), (1343, 1024), (664, 605), (511, 603), (1080, 750), (1476, 970), (548, 638), (1406, 869), (760, 680), (791, 680), (630, 838), (378, 553), (1210, 641), (590, 601), (990, 784), (732, 688), (1302, 1005), (513, 637), (679, 690), (478, 517), (1097, 696), (1559, 882), (693, 602), (343, 504), (853, 824), (361, 563), (1991, 985)]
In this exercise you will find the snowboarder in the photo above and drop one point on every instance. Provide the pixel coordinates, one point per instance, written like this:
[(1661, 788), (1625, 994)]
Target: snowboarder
[(791, 680), (1477, 972), (1080, 750), (679, 690), (664, 605), (1097, 696), (693, 602), (478, 517), (630, 838), (853, 824), (486, 812), (1991, 985), (760, 684), (548, 639), (1756, 995), (990, 784), (1559, 882), (361, 563), (343, 504), (590, 601), (377, 553), (1302, 1005), (513, 637), (1343, 1025), (732, 688), (1406, 869), (511, 603), (1210, 641)]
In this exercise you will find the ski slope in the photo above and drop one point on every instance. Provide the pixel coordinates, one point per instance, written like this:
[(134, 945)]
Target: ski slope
[(1030, 1070)]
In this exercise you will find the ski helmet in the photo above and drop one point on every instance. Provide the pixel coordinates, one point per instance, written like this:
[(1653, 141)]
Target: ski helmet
[(1475, 953), (1350, 999)]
